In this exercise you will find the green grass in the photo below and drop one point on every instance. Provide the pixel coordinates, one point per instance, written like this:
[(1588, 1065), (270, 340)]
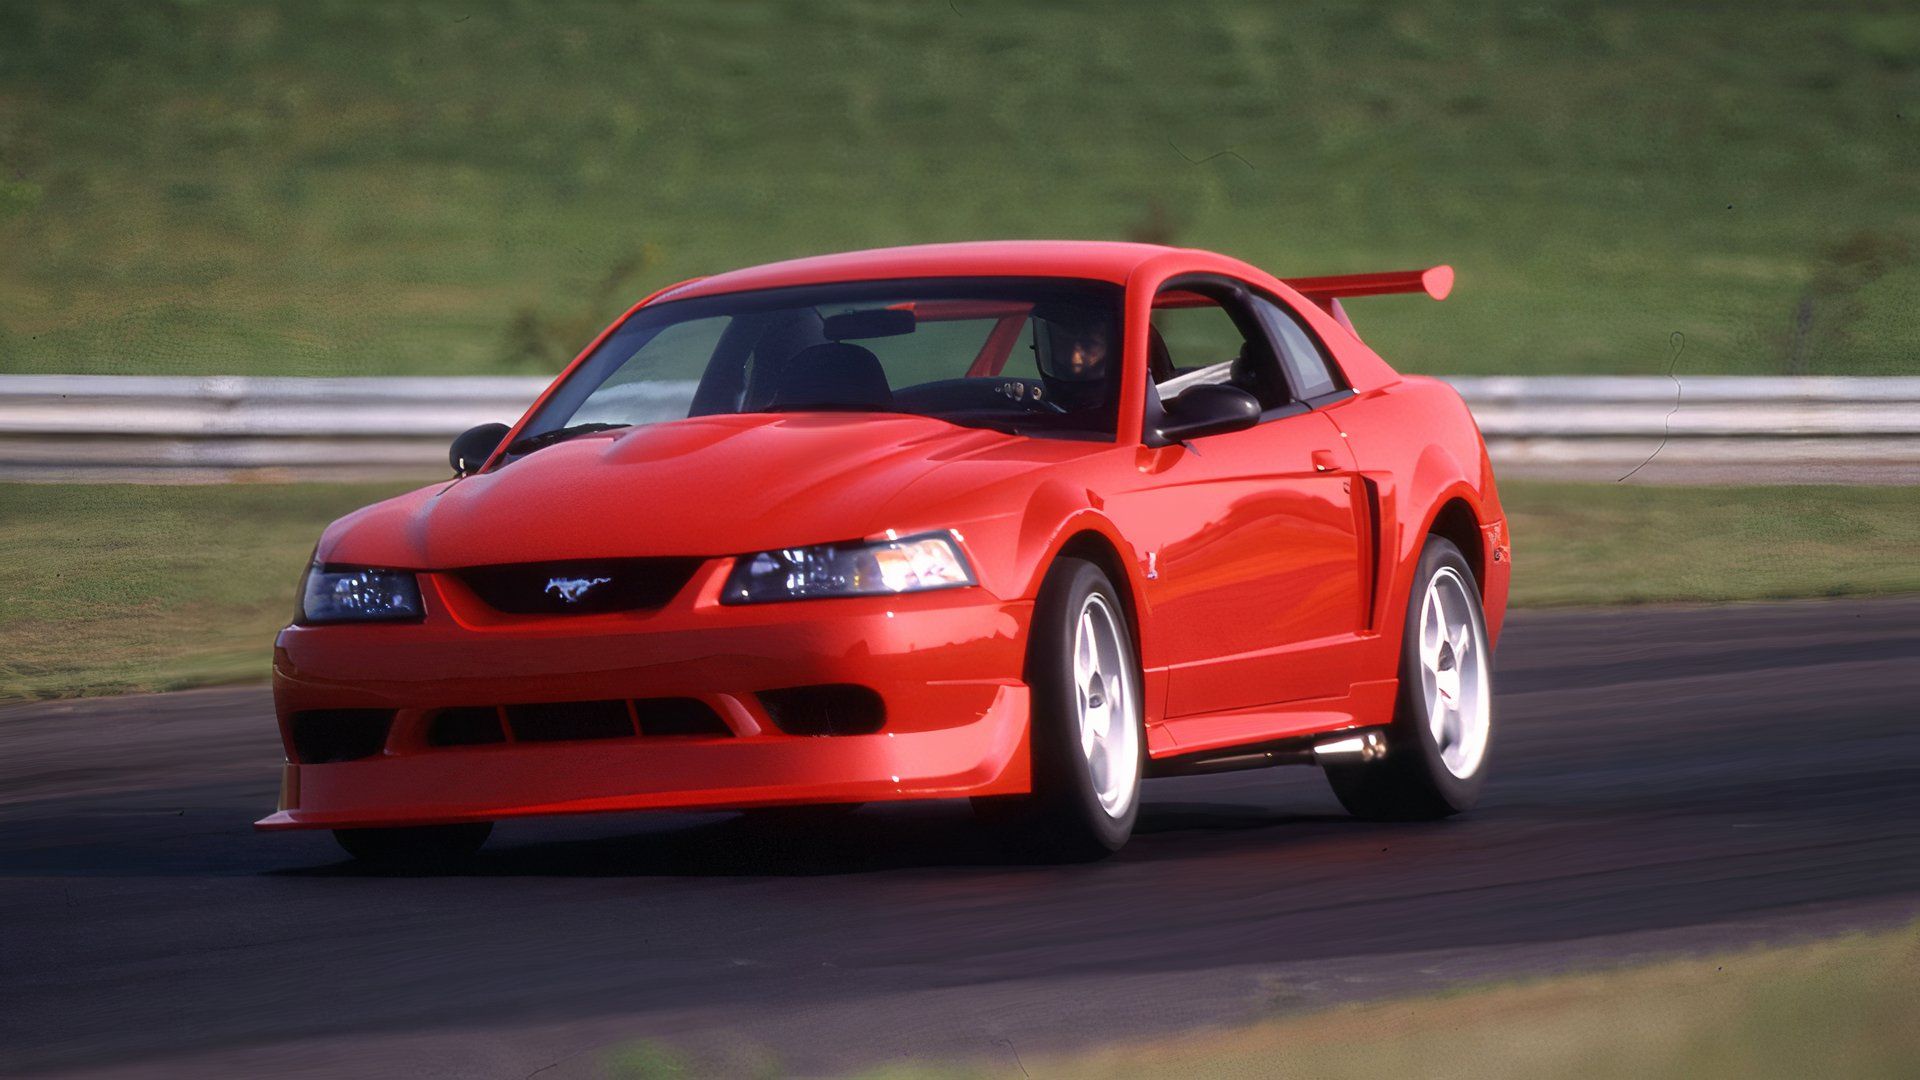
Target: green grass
[(1617, 543), (114, 588), (341, 187), (1835, 1008)]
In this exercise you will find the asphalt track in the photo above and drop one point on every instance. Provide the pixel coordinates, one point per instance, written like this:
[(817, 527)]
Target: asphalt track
[(1673, 780)]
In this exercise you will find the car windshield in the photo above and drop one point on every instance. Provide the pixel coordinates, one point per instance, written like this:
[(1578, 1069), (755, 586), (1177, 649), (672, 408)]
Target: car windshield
[(1036, 356)]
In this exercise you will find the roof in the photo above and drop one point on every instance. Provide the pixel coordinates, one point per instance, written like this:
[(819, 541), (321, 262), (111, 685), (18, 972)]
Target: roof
[(1097, 260)]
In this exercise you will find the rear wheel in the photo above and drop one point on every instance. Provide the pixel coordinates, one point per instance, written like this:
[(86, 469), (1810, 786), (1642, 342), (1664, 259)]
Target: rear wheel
[(418, 847), (1436, 759), (1086, 736)]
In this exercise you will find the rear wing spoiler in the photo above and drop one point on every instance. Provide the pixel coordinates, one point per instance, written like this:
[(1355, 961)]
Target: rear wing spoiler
[(1435, 281)]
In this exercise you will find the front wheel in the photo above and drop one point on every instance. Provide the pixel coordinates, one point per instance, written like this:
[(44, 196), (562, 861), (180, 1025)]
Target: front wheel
[(419, 847), (1436, 759), (1086, 733)]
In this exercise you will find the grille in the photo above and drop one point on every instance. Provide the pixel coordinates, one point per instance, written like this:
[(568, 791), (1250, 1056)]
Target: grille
[(324, 735), (580, 587), (836, 709), (567, 721)]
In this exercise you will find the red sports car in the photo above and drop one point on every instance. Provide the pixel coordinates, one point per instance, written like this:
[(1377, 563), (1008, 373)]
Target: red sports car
[(1020, 522)]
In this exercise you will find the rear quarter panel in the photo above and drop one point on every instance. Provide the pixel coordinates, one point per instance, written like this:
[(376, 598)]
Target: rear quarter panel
[(1415, 441)]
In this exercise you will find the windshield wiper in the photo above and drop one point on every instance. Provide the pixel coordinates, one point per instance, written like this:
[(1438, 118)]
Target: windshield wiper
[(558, 435)]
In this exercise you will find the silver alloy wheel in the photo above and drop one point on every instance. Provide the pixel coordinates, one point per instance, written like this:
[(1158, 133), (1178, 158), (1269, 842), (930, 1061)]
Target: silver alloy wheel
[(1108, 705), (1453, 672)]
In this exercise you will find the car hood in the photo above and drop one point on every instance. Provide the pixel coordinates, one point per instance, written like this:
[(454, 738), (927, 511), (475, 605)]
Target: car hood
[(714, 485)]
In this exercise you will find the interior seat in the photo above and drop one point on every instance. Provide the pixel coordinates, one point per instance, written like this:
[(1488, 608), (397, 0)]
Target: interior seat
[(1260, 380), (833, 375)]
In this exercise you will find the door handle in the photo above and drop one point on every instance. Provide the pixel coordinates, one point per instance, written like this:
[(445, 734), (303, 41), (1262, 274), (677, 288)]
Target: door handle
[(1324, 461)]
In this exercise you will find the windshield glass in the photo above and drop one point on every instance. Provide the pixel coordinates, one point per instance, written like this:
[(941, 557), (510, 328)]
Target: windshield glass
[(1038, 356)]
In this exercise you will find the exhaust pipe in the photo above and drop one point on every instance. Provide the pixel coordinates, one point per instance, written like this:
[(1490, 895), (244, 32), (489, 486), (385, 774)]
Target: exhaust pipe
[(1367, 746)]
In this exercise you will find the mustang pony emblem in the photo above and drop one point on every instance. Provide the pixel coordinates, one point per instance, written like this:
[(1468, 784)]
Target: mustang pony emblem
[(571, 589)]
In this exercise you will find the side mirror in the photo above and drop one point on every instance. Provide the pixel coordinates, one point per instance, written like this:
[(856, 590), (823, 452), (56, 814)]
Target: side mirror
[(472, 447), (1208, 409)]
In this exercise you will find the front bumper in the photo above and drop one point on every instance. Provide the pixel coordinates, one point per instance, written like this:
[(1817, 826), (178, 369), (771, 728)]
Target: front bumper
[(945, 664)]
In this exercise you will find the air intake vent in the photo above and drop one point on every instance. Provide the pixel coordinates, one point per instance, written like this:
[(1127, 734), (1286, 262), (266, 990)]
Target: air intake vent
[(678, 716), (825, 710), (584, 587), (324, 735), (561, 721), (476, 726), (569, 721)]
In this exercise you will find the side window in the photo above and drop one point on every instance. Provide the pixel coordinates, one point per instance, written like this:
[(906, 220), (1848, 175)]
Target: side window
[(1307, 367), (1195, 340)]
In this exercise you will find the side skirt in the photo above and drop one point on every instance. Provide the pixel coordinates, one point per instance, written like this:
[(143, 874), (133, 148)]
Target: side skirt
[(1268, 729)]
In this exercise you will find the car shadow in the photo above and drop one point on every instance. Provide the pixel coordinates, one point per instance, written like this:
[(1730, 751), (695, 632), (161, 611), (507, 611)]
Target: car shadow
[(873, 839)]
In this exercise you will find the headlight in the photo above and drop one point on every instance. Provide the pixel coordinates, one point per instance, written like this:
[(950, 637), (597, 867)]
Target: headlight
[(332, 594), (909, 564)]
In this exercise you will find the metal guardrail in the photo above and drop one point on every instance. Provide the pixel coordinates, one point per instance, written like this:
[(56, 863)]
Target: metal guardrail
[(196, 429), (1717, 428)]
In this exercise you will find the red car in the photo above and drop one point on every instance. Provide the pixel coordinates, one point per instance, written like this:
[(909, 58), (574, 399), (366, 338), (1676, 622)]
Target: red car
[(1021, 522)]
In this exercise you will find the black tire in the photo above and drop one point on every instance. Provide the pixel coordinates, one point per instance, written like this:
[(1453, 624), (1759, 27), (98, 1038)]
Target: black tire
[(1063, 817), (1412, 782), (425, 847)]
